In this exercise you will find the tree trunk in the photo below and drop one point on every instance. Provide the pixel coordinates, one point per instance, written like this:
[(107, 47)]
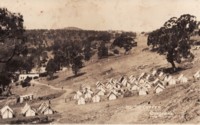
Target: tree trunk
[(170, 59), (173, 66), (75, 73), (51, 75)]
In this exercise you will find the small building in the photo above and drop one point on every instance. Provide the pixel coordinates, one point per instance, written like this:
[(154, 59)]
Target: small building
[(81, 101), (27, 111), (6, 112), (31, 75), (23, 98), (159, 88), (96, 98)]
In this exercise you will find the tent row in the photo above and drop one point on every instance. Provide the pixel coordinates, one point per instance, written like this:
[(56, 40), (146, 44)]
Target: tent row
[(27, 111)]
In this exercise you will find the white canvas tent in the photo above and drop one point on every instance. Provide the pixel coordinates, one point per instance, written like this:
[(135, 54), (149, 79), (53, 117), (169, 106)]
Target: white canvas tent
[(101, 92), (135, 87), (159, 88), (28, 111), (112, 96), (197, 75), (77, 95), (6, 112), (143, 91), (45, 109), (81, 101), (96, 98)]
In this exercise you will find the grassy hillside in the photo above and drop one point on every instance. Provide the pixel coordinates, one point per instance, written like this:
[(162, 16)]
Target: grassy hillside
[(177, 104)]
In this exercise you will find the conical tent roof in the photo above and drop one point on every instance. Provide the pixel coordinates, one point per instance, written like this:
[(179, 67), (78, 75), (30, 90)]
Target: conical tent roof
[(6, 108), (25, 108)]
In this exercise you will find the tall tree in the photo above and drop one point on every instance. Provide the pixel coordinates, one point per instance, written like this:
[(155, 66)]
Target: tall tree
[(11, 40), (173, 39), (102, 50), (77, 64), (51, 68)]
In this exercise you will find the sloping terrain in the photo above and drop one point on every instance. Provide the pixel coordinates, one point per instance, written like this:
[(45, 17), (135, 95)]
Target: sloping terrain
[(177, 104)]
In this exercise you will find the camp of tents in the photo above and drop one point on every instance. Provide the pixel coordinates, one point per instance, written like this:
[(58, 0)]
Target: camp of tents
[(113, 89)]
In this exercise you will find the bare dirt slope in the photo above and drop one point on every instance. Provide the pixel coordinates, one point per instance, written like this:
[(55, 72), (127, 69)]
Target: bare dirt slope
[(177, 104)]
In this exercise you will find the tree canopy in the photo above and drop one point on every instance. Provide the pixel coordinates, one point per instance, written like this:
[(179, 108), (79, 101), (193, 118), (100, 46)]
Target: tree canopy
[(11, 34), (51, 68), (173, 38), (11, 41)]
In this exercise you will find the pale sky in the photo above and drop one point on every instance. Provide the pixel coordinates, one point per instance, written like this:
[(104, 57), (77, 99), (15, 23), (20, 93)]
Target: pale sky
[(128, 15)]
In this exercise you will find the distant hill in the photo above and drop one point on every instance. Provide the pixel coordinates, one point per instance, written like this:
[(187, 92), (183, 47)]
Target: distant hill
[(72, 28)]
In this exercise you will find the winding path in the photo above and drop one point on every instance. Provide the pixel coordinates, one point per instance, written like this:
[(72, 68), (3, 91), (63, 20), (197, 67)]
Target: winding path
[(50, 86)]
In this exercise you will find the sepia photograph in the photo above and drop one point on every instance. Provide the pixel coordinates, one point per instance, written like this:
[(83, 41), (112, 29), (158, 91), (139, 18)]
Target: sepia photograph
[(99, 61)]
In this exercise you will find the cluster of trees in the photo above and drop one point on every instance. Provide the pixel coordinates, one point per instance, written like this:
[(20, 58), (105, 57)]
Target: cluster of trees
[(126, 41), (173, 39), (73, 54), (69, 55)]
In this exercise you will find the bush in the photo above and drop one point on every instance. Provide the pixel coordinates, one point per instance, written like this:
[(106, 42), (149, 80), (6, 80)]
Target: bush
[(116, 51)]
